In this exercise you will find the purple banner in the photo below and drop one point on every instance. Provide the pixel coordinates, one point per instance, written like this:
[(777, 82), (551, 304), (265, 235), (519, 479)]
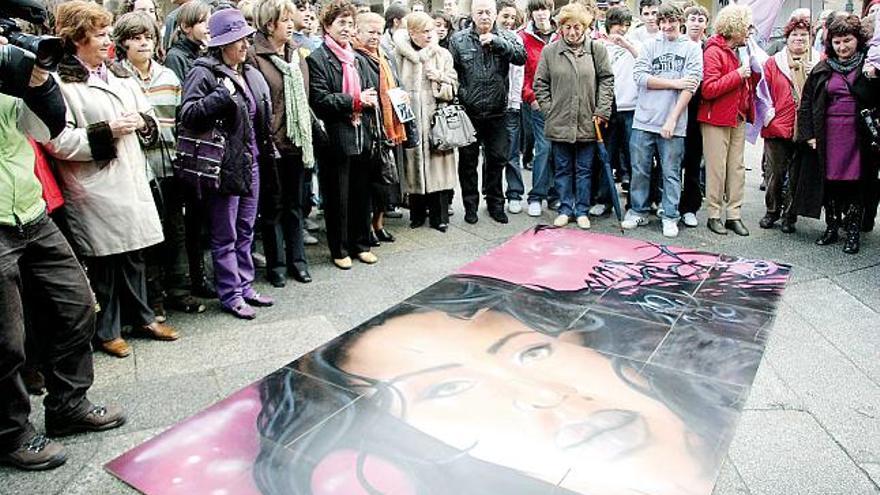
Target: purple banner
[(764, 14)]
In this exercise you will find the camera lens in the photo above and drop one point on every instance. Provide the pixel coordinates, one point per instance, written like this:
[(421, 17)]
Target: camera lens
[(48, 49), (16, 66)]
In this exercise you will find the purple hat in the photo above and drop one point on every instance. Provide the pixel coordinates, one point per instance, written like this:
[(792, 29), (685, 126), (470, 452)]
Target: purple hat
[(227, 26)]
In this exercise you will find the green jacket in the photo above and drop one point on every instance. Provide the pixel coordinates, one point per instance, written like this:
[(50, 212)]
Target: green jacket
[(571, 88), (21, 195)]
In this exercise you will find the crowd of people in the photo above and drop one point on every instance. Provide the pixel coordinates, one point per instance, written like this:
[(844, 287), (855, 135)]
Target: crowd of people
[(155, 143)]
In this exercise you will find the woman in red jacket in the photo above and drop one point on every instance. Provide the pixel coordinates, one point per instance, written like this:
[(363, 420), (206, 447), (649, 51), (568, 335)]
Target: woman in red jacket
[(785, 73), (726, 105)]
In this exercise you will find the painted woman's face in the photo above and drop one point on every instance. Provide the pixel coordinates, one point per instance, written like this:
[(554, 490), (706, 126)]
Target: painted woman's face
[(547, 407)]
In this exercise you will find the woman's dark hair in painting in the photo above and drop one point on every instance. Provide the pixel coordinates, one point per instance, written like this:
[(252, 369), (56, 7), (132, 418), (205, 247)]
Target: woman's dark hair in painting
[(313, 408)]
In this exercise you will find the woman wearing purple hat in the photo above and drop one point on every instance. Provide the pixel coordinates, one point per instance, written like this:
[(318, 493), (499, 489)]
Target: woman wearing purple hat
[(223, 92)]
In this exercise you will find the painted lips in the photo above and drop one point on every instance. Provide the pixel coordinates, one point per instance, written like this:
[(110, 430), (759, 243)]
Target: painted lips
[(606, 434)]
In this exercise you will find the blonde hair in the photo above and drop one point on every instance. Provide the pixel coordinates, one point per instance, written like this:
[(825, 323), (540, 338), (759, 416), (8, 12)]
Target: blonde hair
[(733, 20), (271, 11), (369, 18), (417, 21), (75, 19), (575, 12)]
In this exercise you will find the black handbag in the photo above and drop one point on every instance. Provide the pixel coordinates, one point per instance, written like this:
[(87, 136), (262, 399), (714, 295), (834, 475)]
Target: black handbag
[(382, 155), (199, 158)]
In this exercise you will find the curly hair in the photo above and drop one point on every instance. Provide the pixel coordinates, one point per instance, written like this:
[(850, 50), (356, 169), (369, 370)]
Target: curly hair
[(733, 20), (575, 12), (335, 9), (75, 19), (844, 25), (796, 23)]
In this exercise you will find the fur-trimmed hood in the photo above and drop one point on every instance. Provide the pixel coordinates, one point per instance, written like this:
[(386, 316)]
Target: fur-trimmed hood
[(71, 70)]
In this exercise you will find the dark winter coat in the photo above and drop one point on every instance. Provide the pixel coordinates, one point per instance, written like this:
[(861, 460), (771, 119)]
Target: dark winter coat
[(808, 195), (334, 107), (181, 57), (208, 104), (483, 70)]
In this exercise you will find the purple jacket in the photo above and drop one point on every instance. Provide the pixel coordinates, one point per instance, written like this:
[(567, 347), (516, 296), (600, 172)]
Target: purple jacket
[(207, 103)]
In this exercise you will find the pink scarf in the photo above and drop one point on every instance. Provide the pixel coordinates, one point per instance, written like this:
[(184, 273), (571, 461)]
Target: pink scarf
[(351, 80)]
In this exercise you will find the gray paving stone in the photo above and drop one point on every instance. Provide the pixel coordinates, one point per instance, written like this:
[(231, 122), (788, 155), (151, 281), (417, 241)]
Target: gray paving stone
[(787, 452), (226, 346), (841, 398), (852, 327), (864, 285), (729, 481)]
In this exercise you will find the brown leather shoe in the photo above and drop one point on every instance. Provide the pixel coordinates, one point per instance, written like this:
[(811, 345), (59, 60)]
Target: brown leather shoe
[(116, 347), (99, 418), (160, 331), (37, 453)]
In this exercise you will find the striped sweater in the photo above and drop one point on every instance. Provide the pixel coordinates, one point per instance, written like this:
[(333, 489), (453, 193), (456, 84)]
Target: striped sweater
[(163, 90)]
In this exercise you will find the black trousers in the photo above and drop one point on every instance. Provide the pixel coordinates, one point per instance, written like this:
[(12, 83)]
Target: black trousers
[(493, 137), (167, 263), (281, 208), (120, 286), (433, 206), (691, 192), (196, 234), (39, 252), (345, 191), (780, 155)]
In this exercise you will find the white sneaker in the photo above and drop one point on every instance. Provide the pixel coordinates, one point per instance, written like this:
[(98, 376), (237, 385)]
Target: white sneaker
[(535, 209), (514, 206), (660, 212), (598, 210), (670, 227), (690, 220), (633, 220), (583, 222), (561, 221)]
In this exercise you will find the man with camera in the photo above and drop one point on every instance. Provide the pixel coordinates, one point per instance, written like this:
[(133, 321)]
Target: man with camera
[(32, 245)]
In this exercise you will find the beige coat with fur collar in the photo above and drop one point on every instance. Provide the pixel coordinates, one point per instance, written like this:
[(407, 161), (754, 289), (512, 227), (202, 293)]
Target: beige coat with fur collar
[(109, 206), (426, 170)]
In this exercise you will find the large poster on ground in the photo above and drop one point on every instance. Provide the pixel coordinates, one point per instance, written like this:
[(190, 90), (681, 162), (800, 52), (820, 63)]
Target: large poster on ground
[(561, 362)]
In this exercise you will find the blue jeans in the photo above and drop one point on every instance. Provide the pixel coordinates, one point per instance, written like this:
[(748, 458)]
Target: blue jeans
[(643, 147), (513, 168), (541, 176), (574, 170)]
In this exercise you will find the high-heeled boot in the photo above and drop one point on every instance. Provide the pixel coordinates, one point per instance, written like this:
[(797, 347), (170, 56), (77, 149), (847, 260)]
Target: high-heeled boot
[(853, 225), (832, 225)]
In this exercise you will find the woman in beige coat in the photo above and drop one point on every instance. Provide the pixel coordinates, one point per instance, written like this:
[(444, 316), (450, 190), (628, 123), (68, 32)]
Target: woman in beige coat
[(103, 173), (427, 73)]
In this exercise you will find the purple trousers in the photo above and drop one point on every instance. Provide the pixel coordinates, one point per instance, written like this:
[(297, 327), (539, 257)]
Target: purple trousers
[(232, 221)]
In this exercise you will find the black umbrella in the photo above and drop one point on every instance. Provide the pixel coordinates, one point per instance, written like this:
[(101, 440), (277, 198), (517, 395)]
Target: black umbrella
[(609, 176)]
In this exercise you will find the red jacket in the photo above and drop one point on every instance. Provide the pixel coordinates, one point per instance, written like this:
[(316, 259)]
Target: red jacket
[(724, 93), (533, 44), (51, 192), (778, 77)]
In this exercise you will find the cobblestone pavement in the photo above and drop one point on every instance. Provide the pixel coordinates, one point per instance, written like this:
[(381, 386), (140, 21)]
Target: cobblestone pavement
[(811, 424)]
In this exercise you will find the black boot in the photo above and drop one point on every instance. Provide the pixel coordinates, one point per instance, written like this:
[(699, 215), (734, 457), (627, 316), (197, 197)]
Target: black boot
[(853, 229), (832, 225)]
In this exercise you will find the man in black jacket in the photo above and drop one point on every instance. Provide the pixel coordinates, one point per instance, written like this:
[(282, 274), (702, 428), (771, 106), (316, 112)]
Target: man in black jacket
[(482, 55)]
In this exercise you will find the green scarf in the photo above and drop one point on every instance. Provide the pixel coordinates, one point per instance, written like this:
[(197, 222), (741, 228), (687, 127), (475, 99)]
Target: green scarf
[(296, 109)]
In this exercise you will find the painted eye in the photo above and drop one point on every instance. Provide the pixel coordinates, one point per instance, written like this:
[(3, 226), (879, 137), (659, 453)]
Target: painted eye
[(448, 389), (535, 353)]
